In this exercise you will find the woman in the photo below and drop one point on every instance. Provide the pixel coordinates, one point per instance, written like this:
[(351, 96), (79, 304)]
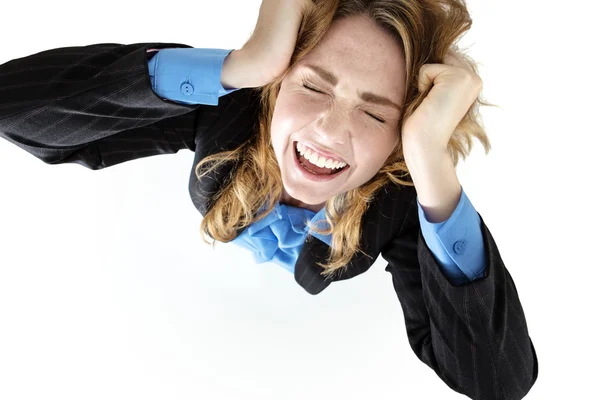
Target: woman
[(316, 119)]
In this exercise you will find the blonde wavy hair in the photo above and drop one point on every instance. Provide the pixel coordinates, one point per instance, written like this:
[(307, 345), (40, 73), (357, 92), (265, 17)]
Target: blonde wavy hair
[(425, 29)]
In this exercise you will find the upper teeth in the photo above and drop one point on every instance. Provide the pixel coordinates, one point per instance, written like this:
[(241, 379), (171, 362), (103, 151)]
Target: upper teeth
[(318, 160)]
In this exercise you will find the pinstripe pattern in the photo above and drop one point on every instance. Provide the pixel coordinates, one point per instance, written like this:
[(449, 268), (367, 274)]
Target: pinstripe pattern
[(94, 106), (473, 336)]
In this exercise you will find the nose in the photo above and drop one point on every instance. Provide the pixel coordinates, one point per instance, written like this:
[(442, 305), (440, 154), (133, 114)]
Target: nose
[(333, 126)]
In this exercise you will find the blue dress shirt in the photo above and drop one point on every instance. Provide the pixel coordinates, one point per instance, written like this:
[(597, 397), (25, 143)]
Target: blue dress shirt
[(193, 76)]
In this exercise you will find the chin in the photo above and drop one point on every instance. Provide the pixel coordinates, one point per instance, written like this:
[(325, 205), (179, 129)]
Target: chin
[(289, 196)]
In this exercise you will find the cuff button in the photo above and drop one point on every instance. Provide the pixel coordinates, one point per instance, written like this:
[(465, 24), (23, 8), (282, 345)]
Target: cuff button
[(187, 89)]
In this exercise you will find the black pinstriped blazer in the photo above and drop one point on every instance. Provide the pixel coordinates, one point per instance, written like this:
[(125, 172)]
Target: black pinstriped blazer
[(94, 106)]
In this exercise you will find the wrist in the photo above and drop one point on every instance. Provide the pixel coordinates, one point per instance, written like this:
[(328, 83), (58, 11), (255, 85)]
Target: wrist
[(237, 71), (426, 164)]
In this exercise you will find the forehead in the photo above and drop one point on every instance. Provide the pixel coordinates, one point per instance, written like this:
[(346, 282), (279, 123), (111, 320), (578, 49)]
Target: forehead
[(360, 53)]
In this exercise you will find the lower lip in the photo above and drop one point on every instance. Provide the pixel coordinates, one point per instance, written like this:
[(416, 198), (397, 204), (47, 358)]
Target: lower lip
[(309, 175)]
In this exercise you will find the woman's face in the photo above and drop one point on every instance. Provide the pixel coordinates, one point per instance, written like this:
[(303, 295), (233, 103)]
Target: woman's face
[(363, 58)]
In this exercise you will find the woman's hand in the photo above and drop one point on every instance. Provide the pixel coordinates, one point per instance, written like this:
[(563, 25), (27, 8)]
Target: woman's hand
[(268, 52), (455, 89)]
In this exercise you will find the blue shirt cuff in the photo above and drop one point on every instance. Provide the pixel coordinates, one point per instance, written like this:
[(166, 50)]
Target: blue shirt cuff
[(456, 243), (189, 75)]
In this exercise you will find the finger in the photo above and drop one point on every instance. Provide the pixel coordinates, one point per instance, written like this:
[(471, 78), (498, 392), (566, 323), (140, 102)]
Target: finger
[(428, 73)]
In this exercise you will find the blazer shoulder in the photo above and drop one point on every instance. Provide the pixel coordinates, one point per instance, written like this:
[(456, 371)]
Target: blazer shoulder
[(224, 127), (229, 124), (380, 225), (388, 212)]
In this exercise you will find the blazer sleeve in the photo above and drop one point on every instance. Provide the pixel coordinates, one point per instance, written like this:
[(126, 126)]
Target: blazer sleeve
[(94, 105), (474, 336)]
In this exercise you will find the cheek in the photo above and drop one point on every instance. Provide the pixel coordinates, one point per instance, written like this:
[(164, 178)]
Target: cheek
[(283, 124), (373, 153), (291, 113)]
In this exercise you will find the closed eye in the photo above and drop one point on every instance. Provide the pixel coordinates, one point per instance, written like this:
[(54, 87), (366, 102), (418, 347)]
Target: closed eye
[(318, 91), (377, 118), (312, 88)]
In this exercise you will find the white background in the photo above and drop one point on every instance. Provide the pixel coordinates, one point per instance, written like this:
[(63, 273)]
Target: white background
[(108, 292)]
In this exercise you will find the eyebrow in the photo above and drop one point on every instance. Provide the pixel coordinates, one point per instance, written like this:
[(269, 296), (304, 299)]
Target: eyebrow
[(365, 96)]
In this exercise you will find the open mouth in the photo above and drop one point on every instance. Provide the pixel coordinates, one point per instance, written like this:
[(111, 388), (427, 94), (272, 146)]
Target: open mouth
[(315, 169)]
